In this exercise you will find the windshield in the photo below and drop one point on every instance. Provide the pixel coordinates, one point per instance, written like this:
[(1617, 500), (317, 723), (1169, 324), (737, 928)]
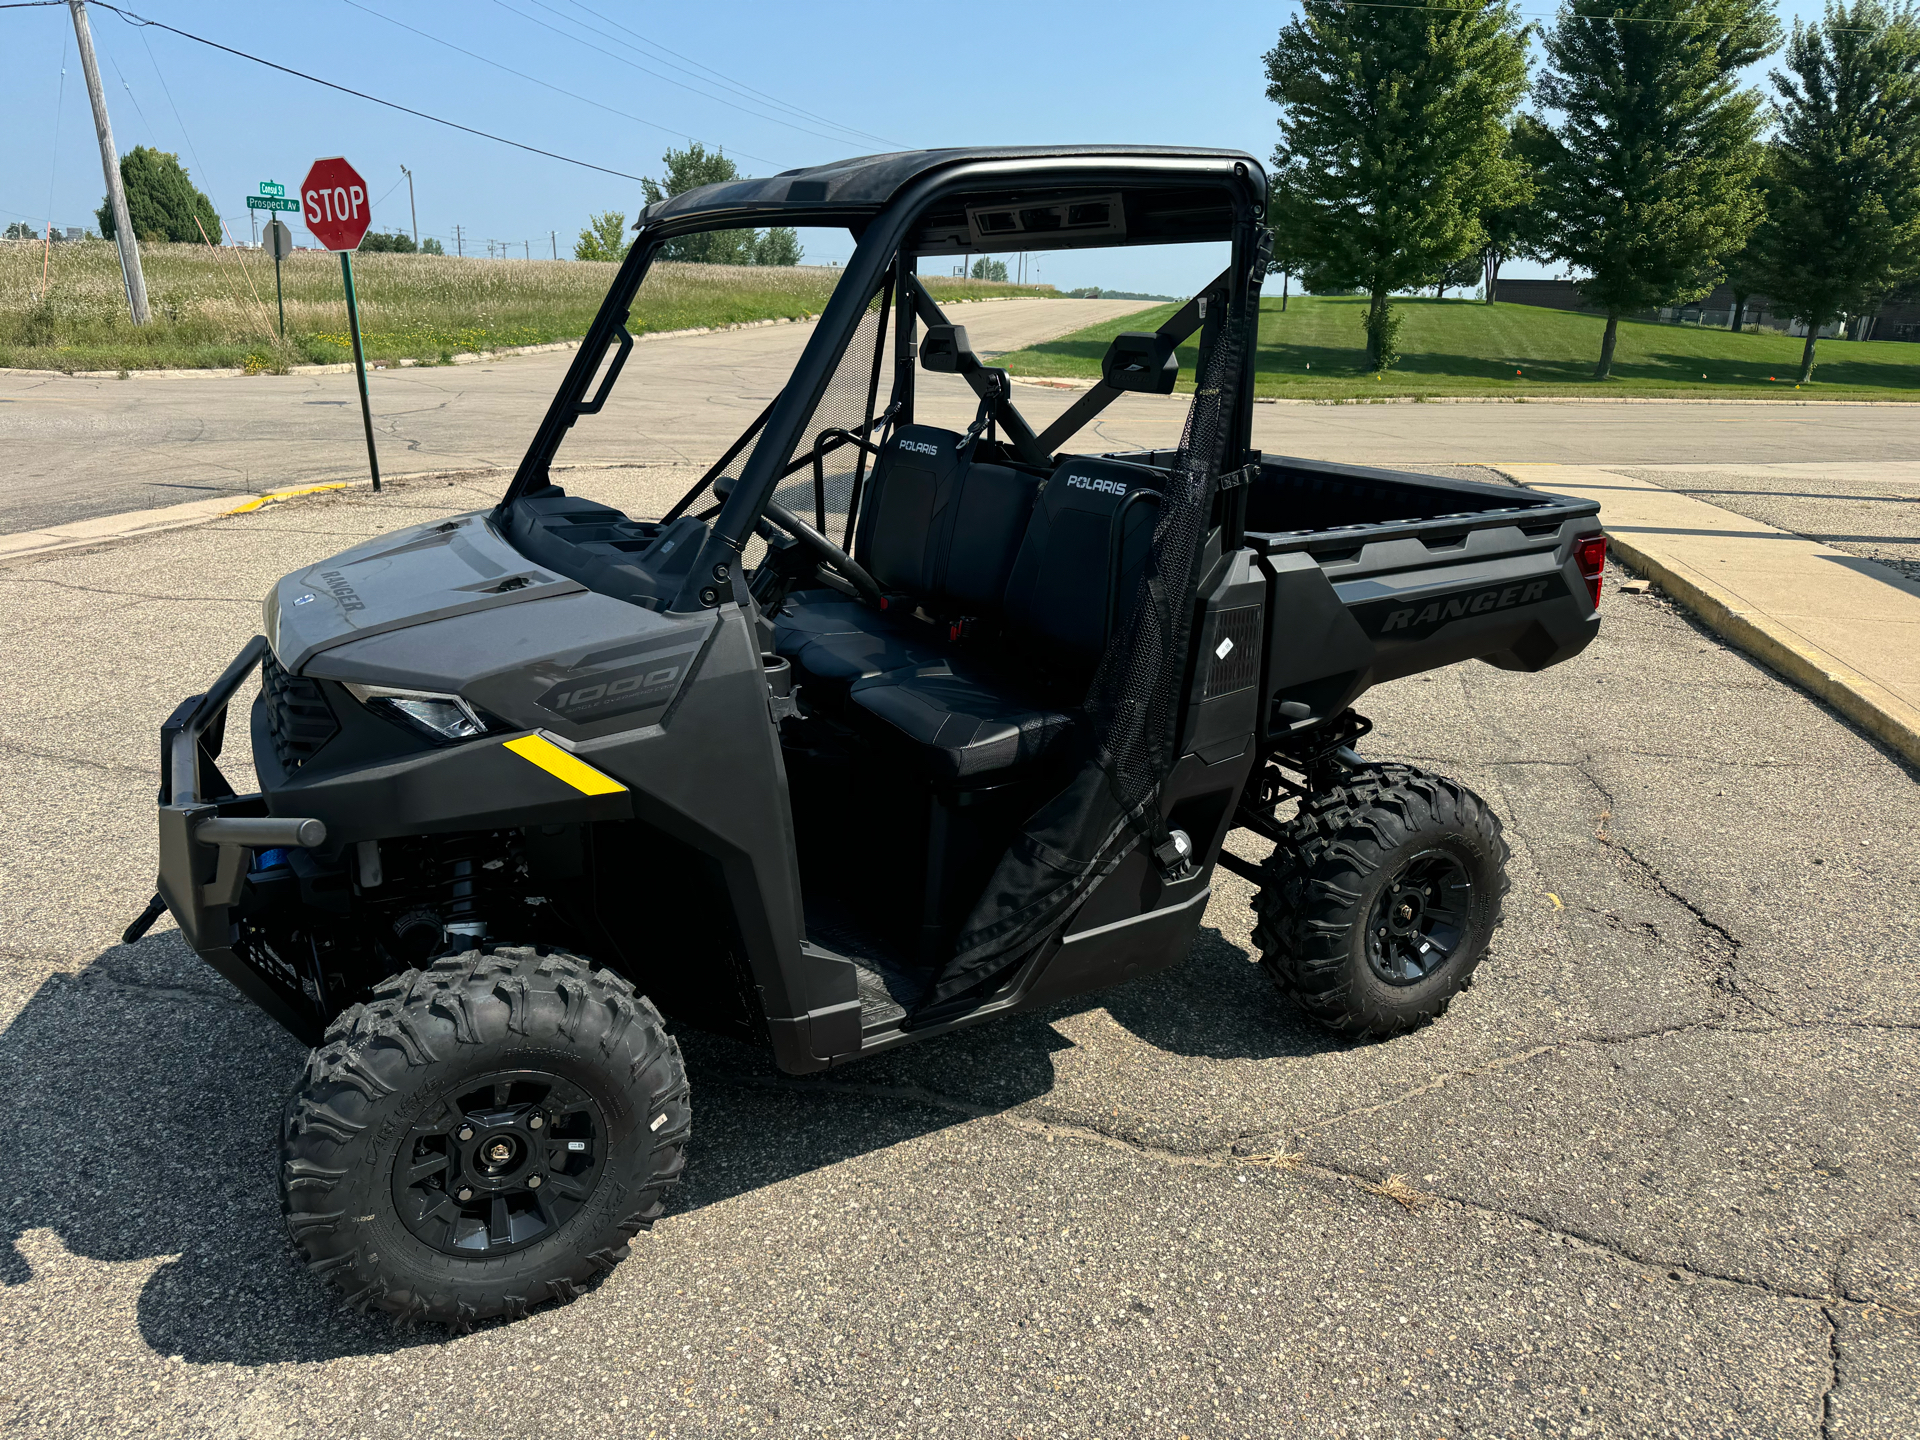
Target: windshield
[(692, 396)]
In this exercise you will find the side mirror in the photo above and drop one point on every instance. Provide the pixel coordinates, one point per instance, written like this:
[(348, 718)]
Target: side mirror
[(945, 350), (1140, 360)]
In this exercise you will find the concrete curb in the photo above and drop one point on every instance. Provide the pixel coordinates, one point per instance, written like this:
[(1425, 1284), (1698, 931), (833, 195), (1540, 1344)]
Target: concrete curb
[(135, 524), (1777, 649), (466, 357), (1073, 382)]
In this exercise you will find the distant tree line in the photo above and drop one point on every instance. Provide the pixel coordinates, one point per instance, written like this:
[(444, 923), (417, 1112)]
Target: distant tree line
[(1646, 165), (605, 237)]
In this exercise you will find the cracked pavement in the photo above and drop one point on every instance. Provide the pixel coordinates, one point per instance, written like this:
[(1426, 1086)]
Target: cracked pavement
[(1654, 1173)]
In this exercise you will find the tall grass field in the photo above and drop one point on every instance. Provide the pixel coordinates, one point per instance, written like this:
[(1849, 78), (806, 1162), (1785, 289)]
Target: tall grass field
[(1314, 351), (216, 307)]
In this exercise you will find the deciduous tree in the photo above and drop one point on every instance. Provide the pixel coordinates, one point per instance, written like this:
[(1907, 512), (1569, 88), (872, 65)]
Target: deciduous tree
[(1393, 129), (1841, 227), (1649, 174), (162, 203), (1511, 224), (605, 237)]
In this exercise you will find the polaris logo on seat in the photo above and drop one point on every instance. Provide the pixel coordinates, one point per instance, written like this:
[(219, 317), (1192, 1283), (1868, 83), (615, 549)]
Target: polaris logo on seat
[(1395, 618), (919, 447), (1105, 487)]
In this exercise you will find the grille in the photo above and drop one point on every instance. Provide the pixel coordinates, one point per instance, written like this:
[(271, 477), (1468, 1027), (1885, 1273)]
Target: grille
[(298, 717), (1241, 666)]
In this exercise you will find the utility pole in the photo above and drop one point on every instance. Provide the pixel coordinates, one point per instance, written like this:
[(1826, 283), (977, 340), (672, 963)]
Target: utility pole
[(412, 213), (457, 250), (130, 272), (527, 250), (553, 239)]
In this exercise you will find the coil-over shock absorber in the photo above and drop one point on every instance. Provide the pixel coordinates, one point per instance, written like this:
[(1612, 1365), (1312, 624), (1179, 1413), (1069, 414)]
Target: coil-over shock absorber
[(462, 860)]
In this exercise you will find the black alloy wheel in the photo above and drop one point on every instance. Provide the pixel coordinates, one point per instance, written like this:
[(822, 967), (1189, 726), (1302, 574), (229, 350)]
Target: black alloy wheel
[(506, 1161), (1419, 918), (1380, 899), (485, 1135)]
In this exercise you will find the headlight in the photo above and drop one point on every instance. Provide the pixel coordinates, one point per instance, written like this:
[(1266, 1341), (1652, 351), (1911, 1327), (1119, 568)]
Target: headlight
[(442, 717)]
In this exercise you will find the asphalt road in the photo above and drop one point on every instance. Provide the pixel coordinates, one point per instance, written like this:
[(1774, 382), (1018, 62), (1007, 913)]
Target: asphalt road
[(76, 449), (1658, 1165)]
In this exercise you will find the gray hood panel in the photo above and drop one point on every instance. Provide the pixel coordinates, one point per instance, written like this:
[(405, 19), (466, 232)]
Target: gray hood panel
[(420, 574)]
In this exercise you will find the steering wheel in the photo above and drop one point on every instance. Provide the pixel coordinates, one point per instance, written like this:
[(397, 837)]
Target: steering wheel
[(843, 565), (845, 568)]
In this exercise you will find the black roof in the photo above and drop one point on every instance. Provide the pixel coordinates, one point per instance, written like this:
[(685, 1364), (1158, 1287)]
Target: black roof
[(867, 183)]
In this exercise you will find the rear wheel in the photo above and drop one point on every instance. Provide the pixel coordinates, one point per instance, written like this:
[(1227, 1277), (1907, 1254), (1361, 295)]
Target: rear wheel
[(484, 1136), (1381, 899)]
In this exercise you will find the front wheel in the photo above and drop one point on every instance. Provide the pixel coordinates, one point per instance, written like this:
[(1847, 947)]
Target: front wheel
[(485, 1135), (1381, 899)]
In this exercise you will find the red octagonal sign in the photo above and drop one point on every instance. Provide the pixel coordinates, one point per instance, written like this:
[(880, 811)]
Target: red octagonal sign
[(333, 201)]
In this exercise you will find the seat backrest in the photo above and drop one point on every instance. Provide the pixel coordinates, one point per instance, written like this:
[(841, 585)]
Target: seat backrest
[(1081, 558), (894, 535), (937, 527)]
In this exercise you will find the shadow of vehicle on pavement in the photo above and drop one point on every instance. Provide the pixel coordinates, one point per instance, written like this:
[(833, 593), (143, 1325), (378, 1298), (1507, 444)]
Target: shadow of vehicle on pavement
[(148, 1098)]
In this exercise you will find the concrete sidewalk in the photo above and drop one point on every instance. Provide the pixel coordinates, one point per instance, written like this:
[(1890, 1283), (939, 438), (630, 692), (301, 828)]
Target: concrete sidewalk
[(1842, 627)]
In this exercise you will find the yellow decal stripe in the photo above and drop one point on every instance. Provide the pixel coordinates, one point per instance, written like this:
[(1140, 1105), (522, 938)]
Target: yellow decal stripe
[(569, 768)]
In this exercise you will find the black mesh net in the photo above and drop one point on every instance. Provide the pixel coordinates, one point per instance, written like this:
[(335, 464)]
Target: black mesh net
[(1131, 715), (851, 402), (825, 494)]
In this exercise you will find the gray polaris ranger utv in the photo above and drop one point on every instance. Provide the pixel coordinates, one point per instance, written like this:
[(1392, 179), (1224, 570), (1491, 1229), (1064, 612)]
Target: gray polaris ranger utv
[(887, 728)]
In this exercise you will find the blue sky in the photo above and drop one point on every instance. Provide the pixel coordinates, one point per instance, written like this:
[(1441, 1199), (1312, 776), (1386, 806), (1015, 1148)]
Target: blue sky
[(777, 85)]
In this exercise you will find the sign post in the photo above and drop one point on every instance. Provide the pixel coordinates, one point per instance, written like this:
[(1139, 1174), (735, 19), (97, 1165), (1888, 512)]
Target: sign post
[(334, 204), (279, 240)]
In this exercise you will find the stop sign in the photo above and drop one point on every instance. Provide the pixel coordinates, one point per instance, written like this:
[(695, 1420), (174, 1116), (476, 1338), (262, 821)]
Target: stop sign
[(333, 200)]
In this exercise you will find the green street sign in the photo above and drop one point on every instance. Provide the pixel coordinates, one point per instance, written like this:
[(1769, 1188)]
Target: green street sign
[(272, 187), (271, 202)]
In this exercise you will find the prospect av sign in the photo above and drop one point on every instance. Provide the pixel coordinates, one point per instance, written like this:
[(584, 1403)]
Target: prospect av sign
[(333, 201)]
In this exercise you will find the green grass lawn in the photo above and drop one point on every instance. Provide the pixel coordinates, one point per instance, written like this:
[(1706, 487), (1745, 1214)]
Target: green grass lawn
[(216, 307), (1461, 347)]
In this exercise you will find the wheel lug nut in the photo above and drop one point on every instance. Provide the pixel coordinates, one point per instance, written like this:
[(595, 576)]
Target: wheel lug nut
[(533, 1181), (464, 1193), (466, 1133)]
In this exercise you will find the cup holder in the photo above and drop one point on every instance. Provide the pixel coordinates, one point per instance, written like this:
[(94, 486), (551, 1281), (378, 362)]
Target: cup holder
[(779, 672)]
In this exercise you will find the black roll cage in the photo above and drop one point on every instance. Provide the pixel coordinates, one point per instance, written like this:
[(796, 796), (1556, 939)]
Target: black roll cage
[(878, 259)]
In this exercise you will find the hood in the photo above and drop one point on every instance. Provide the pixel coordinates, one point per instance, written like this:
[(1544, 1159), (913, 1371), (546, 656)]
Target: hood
[(424, 573)]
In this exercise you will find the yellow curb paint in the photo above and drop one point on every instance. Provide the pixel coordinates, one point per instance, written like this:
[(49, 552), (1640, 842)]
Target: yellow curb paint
[(271, 496), (558, 763)]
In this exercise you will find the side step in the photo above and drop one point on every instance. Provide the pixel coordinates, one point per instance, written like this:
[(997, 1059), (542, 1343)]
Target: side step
[(885, 996)]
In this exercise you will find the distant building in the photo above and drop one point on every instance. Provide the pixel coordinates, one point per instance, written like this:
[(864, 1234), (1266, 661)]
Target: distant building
[(74, 232), (1895, 320)]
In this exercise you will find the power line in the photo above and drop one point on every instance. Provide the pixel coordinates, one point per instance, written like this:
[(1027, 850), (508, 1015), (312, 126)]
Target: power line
[(140, 20), (508, 69), (747, 90), (744, 91), (669, 79), (179, 119)]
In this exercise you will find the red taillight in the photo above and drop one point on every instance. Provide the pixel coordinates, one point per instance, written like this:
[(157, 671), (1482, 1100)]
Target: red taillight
[(1591, 553)]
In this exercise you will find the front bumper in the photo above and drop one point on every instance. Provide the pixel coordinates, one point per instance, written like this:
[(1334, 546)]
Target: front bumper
[(207, 838)]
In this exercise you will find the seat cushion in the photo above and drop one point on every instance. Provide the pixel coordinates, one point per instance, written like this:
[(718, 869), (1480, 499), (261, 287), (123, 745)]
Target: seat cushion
[(965, 725), (835, 639)]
